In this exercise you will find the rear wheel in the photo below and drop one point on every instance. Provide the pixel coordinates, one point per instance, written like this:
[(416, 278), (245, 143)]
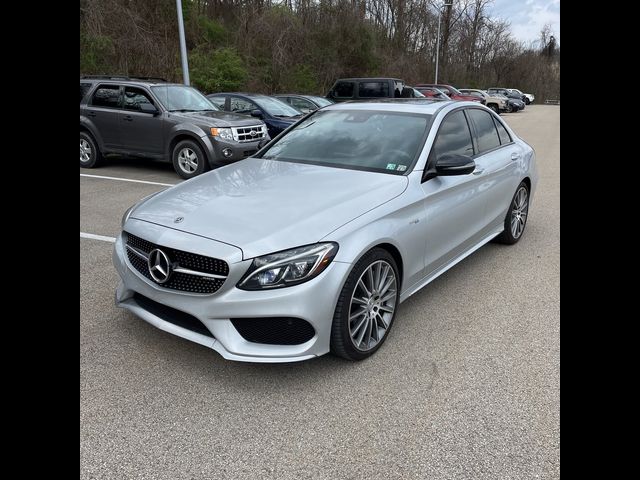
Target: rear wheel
[(90, 155), (516, 218), (188, 159), (366, 307)]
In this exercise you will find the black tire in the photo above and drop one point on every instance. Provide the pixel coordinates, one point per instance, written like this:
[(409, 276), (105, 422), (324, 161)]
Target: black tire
[(341, 342), (189, 150), (508, 237), (527, 101), (89, 151), (509, 108), (494, 107)]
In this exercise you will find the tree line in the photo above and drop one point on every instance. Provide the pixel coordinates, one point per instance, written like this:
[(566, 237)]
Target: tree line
[(304, 45)]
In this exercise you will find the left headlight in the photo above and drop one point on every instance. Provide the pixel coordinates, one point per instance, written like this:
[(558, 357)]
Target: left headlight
[(290, 267)]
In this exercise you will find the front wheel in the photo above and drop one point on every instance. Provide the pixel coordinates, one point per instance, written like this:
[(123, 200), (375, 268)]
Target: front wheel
[(509, 108), (516, 218), (188, 159), (366, 307), (495, 108), (527, 101)]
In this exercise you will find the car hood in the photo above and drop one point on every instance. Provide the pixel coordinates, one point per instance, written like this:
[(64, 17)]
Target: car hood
[(263, 206), (218, 119)]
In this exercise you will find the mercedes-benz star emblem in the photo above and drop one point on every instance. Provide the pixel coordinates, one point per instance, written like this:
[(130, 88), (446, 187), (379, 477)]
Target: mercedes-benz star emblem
[(178, 219), (159, 266)]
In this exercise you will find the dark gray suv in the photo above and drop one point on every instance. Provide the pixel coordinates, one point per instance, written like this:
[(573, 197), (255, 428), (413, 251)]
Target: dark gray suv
[(171, 122)]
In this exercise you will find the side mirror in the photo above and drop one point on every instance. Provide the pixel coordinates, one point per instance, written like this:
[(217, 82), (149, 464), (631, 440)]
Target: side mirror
[(148, 108), (448, 165), (256, 113)]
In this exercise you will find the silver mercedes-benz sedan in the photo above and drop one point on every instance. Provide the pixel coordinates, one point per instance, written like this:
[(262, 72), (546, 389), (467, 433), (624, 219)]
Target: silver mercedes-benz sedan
[(311, 245)]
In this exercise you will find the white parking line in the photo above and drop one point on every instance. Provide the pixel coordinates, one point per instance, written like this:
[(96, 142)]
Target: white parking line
[(128, 180), (97, 237)]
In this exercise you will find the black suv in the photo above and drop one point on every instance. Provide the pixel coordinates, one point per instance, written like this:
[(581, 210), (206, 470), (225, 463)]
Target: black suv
[(167, 121), (368, 88)]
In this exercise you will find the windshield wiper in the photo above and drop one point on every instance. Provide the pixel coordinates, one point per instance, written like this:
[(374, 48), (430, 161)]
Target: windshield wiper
[(183, 110)]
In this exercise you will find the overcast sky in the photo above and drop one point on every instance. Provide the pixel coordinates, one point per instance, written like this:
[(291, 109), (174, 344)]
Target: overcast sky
[(527, 17)]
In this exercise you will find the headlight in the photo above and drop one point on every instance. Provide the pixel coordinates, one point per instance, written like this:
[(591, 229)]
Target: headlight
[(224, 133), (290, 267)]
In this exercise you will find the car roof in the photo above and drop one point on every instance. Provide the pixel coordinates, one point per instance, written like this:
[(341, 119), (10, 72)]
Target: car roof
[(244, 94), (125, 79), (402, 105)]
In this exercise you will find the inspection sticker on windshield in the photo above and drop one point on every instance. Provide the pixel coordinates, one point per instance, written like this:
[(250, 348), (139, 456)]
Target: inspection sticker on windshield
[(391, 166), (401, 168)]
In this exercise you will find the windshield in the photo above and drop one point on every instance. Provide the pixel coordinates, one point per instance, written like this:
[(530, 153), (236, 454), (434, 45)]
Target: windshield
[(417, 94), (387, 142), (323, 102), (455, 90), (179, 98), (275, 107)]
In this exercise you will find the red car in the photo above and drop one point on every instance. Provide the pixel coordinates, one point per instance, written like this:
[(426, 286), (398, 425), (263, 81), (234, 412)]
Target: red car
[(452, 92), (432, 92)]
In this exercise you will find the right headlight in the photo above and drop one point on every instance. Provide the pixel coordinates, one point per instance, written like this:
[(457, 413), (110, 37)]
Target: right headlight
[(289, 267), (224, 133)]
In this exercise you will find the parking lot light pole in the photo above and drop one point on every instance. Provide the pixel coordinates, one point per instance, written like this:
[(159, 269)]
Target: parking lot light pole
[(183, 44), (447, 3)]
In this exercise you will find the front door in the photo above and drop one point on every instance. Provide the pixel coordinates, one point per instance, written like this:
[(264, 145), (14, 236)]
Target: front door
[(454, 205), (140, 132)]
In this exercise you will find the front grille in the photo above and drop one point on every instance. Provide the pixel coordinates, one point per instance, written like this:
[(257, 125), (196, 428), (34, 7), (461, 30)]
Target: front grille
[(243, 134), (274, 331), (171, 315), (192, 282)]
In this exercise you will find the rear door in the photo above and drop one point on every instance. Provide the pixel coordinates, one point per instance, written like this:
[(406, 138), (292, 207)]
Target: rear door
[(103, 111), (496, 164), (140, 132)]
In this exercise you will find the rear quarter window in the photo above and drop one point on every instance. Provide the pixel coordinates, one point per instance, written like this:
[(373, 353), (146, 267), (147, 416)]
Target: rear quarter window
[(84, 89), (343, 90), (373, 89)]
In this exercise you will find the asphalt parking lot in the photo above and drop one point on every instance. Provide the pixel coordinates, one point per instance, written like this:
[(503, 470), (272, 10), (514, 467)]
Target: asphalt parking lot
[(467, 385)]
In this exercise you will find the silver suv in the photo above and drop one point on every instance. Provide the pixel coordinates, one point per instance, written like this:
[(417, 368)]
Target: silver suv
[(153, 118)]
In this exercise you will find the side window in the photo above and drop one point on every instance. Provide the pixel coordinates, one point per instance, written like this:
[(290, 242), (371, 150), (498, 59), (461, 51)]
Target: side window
[(84, 88), (454, 136), (134, 97), (106, 96), (242, 106), (502, 132), (486, 129), (373, 89), (301, 104), (343, 90), (217, 101)]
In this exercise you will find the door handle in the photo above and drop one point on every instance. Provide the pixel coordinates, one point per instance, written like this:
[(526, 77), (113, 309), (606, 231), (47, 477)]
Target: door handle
[(91, 114), (478, 171), (515, 156), (128, 118)]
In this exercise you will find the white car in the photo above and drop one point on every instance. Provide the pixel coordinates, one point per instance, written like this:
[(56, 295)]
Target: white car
[(497, 103)]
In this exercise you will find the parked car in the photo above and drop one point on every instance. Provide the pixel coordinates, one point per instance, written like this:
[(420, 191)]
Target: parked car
[(166, 121), (494, 102), (452, 92), (304, 103), (312, 245), (432, 92), (527, 98), (518, 102), (368, 88), (275, 113)]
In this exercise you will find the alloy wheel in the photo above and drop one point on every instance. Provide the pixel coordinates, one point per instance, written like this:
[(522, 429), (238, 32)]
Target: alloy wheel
[(519, 212), (85, 151), (188, 160), (373, 304)]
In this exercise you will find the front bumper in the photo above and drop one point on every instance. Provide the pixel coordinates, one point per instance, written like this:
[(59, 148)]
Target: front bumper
[(313, 301), (239, 150)]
